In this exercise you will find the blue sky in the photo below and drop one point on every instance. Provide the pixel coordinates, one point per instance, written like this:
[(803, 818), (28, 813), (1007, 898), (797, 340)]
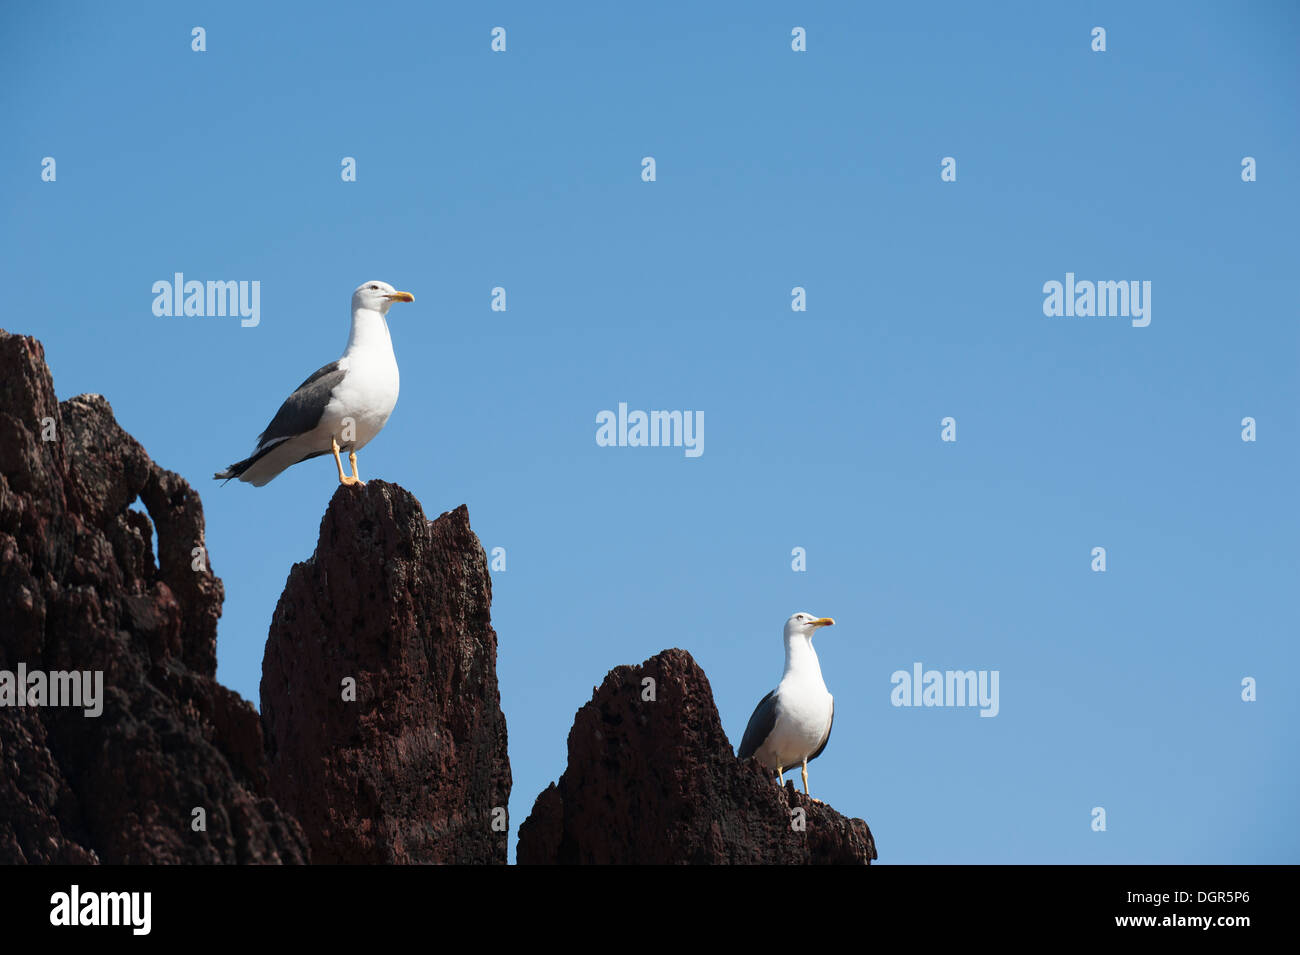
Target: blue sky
[(775, 169)]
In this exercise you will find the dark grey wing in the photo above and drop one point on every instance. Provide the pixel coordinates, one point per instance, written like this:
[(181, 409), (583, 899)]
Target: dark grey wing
[(760, 726), (303, 409), (827, 738)]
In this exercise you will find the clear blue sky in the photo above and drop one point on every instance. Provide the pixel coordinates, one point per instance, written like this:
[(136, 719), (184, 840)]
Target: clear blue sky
[(775, 169)]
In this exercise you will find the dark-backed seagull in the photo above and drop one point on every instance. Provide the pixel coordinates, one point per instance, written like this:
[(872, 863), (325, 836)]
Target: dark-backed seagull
[(792, 724), (339, 408)]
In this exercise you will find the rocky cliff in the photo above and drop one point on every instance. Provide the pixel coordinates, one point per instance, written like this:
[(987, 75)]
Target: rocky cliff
[(652, 779), (381, 738), (379, 688), (172, 768)]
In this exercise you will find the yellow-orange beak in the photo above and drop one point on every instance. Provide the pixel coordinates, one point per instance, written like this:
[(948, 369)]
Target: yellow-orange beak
[(400, 297), (824, 622)]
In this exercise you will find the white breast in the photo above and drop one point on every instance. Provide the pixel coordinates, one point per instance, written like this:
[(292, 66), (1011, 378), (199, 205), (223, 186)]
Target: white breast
[(366, 396), (802, 718)]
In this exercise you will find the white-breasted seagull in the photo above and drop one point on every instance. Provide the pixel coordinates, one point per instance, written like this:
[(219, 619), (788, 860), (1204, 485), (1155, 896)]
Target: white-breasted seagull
[(339, 408), (792, 724)]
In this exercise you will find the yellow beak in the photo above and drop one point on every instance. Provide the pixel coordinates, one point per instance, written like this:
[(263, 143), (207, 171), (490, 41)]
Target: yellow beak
[(400, 297), (824, 622)]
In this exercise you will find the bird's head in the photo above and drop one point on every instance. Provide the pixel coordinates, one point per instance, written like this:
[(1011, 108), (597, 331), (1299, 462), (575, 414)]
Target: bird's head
[(377, 296), (805, 625)]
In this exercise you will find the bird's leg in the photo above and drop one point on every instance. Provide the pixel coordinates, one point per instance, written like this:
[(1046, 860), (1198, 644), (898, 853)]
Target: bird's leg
[(352, 459), (779, 773), (337, 460), (343, 478), (805, 782)]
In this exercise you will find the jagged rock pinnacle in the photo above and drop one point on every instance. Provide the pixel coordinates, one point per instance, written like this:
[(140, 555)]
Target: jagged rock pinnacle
[(413, 767)]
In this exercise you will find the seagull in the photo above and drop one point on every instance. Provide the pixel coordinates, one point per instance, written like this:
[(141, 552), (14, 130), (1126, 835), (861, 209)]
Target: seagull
[(339, 408), (793, 723)]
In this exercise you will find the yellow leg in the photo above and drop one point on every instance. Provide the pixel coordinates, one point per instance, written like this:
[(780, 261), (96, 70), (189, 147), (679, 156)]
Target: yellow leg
[(805, 782), (352, 457), (779, 773)]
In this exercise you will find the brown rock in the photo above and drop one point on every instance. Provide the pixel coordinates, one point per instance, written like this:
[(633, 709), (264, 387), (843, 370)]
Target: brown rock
[(656, 782), (80, 590), (412, 770)]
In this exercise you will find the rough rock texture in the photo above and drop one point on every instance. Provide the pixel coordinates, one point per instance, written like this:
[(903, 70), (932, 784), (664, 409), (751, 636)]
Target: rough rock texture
[(80, 590), (415, 768), (656, 782)]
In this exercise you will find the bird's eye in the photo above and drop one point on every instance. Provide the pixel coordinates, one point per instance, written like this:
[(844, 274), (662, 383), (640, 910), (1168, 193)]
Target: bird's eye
[(375, 287)]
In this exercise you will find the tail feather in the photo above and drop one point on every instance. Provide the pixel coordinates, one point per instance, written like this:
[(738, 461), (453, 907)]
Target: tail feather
[(237, 469)]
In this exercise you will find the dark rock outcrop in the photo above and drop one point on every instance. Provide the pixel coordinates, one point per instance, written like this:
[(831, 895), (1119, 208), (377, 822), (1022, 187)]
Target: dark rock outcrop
[(413, 768), (381, 737), (657, 782), (81, 590)]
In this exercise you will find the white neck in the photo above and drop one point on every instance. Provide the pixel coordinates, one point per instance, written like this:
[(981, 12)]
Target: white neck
[(801, 659), (369, 332)]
